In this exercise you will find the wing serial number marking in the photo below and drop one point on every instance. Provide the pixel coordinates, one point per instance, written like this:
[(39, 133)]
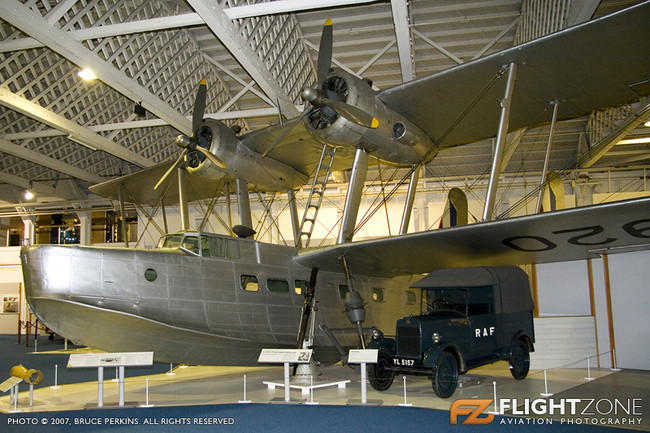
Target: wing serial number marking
[(586, 236), (403, 362)]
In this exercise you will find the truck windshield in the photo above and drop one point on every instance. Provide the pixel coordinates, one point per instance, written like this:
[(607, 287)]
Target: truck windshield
[(444, 299)]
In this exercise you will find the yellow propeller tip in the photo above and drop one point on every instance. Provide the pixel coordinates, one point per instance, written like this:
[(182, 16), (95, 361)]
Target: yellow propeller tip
[(328, 22), (204, 82), (375, 123)]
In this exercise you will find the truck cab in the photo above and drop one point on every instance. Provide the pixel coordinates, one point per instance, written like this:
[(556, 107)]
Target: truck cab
[(469, 317)]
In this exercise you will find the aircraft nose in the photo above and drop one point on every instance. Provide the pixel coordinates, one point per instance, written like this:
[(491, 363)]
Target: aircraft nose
[(46, 270)]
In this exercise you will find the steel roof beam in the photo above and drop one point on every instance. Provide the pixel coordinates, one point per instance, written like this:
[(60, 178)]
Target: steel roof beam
[(403, 35), (46, 161), (43, 115), (58, 40), (221, 25)]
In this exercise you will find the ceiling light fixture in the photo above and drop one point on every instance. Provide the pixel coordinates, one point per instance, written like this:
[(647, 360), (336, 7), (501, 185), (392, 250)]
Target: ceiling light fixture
[(87, 74), (647, 124)]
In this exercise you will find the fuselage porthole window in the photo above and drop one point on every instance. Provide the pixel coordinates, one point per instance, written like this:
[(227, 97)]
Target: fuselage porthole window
[(277, 285), (249, 283), (300, 287)]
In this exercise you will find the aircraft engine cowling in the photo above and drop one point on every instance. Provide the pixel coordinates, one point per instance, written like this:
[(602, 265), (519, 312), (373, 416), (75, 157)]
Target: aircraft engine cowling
[(396, 140), (266, 174)]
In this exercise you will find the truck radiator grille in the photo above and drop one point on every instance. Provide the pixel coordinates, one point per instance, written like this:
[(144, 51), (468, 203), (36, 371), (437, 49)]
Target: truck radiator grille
[(408, 342)]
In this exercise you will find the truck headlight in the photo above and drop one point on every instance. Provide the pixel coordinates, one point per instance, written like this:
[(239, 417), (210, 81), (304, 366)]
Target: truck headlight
[(437, 338), (376, 334)]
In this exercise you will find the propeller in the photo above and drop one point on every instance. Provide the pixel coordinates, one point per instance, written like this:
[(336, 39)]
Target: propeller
[(189, 144), (317, 97)]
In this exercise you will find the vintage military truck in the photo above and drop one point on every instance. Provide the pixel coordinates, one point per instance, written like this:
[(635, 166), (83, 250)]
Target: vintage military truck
[(469, 317)]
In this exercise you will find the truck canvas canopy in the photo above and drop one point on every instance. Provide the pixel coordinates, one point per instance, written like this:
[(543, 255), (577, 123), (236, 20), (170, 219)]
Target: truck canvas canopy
[(510, 283)]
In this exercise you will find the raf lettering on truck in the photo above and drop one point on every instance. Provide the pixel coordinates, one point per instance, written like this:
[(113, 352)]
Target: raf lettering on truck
[(485, 332)]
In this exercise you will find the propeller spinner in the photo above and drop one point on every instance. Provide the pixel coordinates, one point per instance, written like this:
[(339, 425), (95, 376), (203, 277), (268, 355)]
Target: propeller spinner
[(191, 143)]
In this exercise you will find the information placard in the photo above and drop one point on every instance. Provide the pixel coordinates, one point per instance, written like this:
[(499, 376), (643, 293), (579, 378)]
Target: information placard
[(279, 356), (125, 359), (357, 356)]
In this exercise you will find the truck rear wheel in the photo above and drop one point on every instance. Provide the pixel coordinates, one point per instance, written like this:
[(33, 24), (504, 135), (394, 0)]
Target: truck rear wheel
[(444, 378), (379, 376), (520, 360)]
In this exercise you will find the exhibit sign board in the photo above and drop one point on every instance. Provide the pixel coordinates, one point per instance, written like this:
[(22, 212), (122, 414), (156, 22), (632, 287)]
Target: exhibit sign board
[(124, 359), (279, 356), (358, 356), (9, 383)]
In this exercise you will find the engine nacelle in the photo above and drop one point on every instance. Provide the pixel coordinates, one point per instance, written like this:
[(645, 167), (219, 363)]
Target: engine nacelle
[(395, 140), (266, 174)]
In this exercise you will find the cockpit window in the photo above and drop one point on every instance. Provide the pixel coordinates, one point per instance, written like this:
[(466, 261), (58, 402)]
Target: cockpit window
[(205, 245), (171, 241), (191, 243)]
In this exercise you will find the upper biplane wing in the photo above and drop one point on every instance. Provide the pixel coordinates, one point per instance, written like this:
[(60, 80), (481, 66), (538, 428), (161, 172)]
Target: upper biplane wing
[(565, 235), (601, 63)]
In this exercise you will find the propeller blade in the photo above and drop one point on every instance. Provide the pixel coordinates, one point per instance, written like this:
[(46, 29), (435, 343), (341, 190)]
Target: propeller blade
[(199, 106), (286, 131), (213, 159), (171, 169), (324, 53), (352, 113)]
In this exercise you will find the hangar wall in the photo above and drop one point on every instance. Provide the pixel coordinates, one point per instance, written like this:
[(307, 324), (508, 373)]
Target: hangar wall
[(564, 291)]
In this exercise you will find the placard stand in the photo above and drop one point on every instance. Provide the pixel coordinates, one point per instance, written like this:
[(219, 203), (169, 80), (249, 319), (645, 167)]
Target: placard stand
[(364, 357), (288, 357), (118, 360)]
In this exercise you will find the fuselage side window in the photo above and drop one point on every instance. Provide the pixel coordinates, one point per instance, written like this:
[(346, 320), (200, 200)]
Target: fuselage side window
[(300, 286), (343, 289), (232, 248), (249, 283), (378, 294), (275, 285), (410, 298), (217, 247)]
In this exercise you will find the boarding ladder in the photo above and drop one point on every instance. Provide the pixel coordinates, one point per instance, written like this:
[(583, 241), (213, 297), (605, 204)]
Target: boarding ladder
[(316, 194)]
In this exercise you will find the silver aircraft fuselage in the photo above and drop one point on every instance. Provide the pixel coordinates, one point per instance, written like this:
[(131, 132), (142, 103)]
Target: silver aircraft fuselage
[(188, 302)]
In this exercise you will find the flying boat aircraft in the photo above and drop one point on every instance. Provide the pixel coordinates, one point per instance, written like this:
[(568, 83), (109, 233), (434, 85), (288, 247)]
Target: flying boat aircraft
[(202, 298)]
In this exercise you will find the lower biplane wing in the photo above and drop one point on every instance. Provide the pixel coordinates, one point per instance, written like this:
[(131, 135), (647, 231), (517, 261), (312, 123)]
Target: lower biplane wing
[(138, 187), (601, 63), (570, 234)]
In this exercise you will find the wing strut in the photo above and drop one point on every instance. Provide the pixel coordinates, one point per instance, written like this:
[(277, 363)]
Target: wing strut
[(410, 199), (547, 158), (353, 197), (506, 102)]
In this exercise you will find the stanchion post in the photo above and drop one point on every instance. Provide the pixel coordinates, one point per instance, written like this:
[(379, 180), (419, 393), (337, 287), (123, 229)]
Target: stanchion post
[(545, 393), (405, 403)]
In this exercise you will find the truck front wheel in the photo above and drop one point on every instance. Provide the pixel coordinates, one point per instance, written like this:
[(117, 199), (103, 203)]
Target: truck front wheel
[(520, 360), (379, 376), (444, 378)]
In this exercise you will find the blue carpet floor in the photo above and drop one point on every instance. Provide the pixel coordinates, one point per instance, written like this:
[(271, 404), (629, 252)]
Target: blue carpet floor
[(231, 417)]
